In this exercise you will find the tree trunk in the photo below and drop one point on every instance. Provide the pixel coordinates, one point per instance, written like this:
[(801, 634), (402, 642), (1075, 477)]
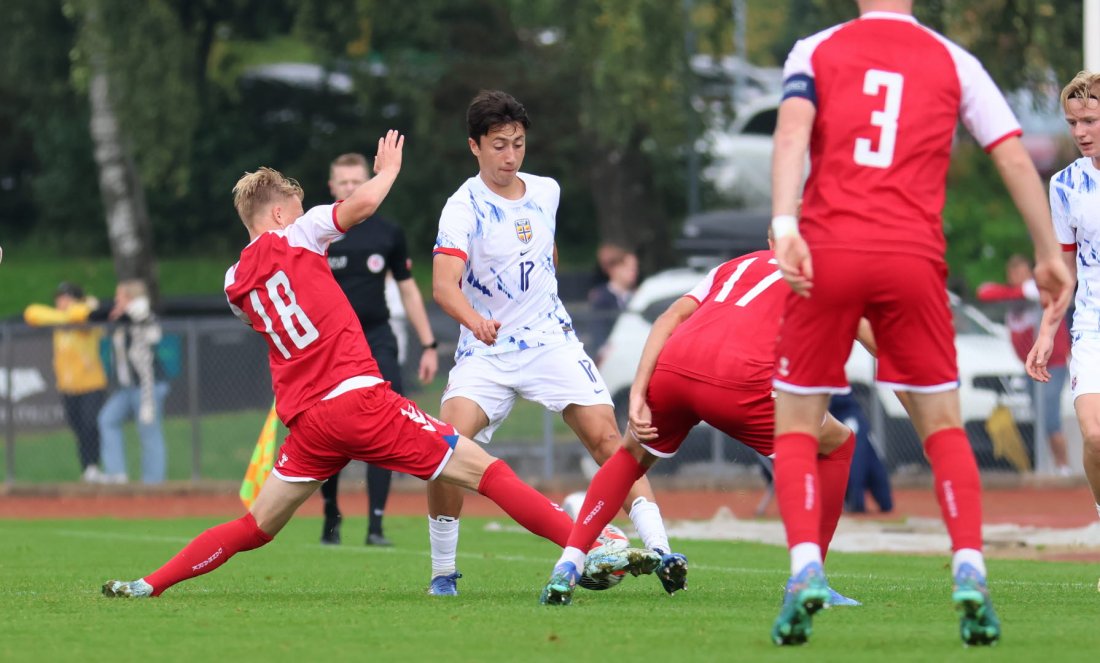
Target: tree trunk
[(128, 226), (627, 212)]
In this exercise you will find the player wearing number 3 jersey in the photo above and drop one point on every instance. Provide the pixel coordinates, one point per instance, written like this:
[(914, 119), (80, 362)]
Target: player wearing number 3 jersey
[(327, 386), (875, 102)]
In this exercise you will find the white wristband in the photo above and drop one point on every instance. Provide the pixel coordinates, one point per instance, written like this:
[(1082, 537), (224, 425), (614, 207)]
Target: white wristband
[(783, 225)]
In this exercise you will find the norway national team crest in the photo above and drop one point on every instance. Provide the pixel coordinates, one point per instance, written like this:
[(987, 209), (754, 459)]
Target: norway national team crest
[(523, 230)]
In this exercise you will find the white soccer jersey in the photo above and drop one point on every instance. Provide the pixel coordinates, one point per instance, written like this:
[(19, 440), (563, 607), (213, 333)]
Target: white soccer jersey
[(508, 246), (1074, 205)]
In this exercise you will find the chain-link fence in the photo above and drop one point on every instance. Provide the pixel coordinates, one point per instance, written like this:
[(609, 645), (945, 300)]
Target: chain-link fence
[(219, 391)]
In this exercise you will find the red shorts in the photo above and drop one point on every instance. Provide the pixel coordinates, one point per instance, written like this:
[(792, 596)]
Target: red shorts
[(678, 403), (904, 297), (375, 425)]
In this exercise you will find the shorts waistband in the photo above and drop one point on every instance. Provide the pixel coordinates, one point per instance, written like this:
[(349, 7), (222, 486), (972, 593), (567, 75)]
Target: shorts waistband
[(357, 382)]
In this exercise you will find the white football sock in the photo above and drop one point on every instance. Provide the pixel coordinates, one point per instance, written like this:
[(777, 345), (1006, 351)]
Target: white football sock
[(967, 556), (443, 532), (1098, 509), (575, 555), (804, 554), (646, 517)]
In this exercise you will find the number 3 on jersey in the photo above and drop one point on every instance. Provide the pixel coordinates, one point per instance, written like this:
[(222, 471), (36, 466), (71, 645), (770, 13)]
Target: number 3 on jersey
[(293, 320), (886, 119)]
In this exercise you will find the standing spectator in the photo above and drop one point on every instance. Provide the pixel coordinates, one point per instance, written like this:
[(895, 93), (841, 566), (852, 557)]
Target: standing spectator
[(608, 299), (867, 473), (875, 103), (363, 260), (140, 384), (1022, 319), (1074, 201), (77, 368)]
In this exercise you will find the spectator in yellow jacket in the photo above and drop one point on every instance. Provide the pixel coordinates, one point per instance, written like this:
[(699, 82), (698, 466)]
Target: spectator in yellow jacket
[(78, 369)]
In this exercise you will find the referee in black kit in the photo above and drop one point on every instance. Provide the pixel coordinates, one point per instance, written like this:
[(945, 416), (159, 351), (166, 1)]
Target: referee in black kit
[(361, 261)]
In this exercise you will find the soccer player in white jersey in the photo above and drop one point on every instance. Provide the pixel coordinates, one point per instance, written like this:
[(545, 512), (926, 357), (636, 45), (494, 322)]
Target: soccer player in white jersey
[(494, 271), (328, 388), (1075, 210)]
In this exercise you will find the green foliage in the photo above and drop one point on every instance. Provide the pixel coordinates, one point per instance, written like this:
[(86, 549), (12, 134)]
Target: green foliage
[(296, 600), (981, 224)]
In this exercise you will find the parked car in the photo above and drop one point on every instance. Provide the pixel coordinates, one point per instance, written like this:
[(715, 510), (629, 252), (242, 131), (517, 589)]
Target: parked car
[(989, 371), (741, 153)]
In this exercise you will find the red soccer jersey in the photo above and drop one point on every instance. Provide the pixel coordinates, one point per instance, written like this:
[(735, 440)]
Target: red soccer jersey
[(730, 340), (888, 93), (282, 287)]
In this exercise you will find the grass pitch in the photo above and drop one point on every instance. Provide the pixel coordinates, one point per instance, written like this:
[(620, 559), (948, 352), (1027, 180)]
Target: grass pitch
[(296, 600)]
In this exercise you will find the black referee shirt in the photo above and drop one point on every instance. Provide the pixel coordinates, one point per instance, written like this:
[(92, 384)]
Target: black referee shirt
[(360, 260)]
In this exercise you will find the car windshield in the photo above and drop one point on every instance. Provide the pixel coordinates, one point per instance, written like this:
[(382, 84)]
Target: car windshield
[(969, 321)]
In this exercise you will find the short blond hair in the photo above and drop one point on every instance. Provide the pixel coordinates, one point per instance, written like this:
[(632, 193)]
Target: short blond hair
[(1081, 87), (255, 191)]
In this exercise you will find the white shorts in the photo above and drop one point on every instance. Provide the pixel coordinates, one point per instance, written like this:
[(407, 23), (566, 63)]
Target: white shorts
[(553, 376), (1084, 366)]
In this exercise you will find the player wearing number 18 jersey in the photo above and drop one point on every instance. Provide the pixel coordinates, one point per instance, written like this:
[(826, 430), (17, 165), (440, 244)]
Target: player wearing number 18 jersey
[(710, 357), (875, 102), (327, 386)]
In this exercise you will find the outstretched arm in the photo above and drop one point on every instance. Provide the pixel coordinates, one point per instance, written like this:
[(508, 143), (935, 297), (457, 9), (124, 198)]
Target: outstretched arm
[(641, 422), (1037, 358), (1022, 181), (366, 199)]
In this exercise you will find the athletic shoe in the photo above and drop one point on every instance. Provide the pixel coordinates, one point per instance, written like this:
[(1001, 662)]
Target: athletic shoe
[(92, 475), (445, 585), (673, 571), (602, 561), (378, 540), (806, 593), (330, 531), (134, 589), (978, 623), (563, 581), (836, 599)]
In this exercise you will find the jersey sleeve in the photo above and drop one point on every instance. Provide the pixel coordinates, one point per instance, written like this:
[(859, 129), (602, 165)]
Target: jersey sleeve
[(315, 229), (230, 279), (552, 200), (983, 108), (702, 288), (456, 227), (798, 72), (1060, 214), (400, 265)]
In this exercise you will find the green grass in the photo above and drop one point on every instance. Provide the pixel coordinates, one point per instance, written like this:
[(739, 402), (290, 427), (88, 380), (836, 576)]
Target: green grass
[(227, 440), (32, 278), (295, 600)]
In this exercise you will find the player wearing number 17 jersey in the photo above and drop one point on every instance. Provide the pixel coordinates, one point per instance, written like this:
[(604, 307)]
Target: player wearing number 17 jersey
[(709, 357), (875, 102), (327, 385)]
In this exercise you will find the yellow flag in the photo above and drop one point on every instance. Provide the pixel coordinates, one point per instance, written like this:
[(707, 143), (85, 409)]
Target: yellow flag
[(263, 458), (1007, 441)]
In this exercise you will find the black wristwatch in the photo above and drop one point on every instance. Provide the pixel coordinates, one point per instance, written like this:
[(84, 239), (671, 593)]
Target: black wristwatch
[(431, 346)]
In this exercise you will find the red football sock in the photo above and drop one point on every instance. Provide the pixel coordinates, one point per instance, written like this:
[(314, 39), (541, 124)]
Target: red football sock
[(796, 487), (832, 473), (958, 486), (609, 488), (208, 551), (524, 504)]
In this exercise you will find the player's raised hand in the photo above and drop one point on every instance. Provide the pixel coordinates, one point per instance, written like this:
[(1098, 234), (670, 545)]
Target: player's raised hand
[(486, 330), (640, 421), (1055, 284), (793, 256), (390, 148)]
